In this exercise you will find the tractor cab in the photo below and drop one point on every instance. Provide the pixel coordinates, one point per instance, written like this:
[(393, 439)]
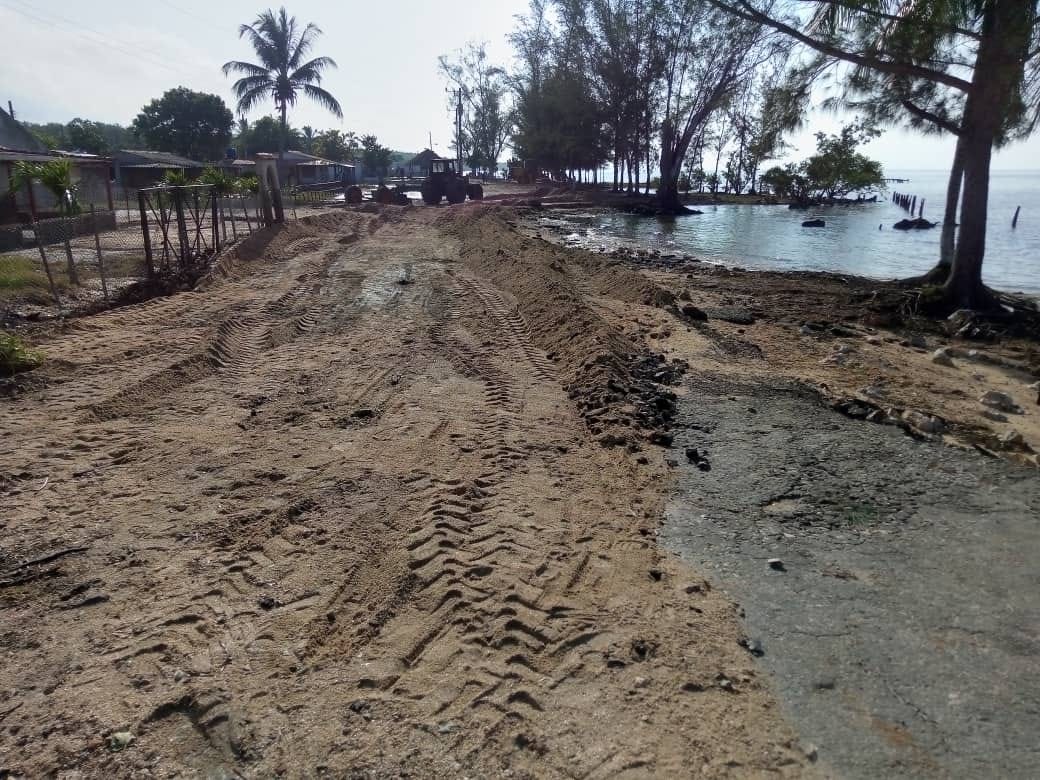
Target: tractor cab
[(442, 167)]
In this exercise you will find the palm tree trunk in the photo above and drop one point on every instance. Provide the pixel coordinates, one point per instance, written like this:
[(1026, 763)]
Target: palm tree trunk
[(281, 147)]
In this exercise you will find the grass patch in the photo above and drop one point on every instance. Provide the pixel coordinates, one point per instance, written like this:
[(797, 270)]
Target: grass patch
[(861, 515), (17, 356), (23, 278)]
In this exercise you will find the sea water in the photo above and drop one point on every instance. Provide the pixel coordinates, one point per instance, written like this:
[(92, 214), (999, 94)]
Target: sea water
[(858, 239)]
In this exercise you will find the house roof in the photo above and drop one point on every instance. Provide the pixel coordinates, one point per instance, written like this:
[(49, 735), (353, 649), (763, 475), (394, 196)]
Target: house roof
[(295, 158), (14, 136), (143, 158), (17, 155), (424, 157), (236, 163)]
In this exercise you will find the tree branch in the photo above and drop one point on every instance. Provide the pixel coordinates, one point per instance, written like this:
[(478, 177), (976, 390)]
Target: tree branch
[(744, 10), (935, 119), (858, 8)]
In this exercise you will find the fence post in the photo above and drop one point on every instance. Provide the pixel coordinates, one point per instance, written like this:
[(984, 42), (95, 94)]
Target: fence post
[(182, 228), (213, 220), (46, 265), (245, 210), (147, 235), (217, 204), (97, 246), (234, 229), (66, 229)]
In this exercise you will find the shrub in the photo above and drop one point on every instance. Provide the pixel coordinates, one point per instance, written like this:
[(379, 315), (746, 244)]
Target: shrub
[(247, 184), (222, 183), (174, 178), (16, 355)]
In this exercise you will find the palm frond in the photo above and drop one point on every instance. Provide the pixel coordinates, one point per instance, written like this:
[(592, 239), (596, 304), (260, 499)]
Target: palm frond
[(303, 44), (310, 72), (264, 48), (323, 98), (246, 68), (251, 98)]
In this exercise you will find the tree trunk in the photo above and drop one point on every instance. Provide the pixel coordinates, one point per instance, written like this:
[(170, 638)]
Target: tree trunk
[(281, 147), (947, 243), (1006, 28)]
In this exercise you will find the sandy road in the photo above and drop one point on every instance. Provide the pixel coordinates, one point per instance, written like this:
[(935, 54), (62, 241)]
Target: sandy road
[(336, 513)]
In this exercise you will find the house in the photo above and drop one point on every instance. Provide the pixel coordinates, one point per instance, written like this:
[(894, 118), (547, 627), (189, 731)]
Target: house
[(137, 168), (91, 173), (420, 164), (299, 168), (235, 167)]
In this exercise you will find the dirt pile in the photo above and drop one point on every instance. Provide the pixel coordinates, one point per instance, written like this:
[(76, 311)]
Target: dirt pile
[(373, 537), (620, 386)]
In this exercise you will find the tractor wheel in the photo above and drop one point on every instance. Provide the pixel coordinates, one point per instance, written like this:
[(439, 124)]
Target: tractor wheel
[(475, 192), (384, 196), (401, 197), (456, 191), (431, 193), (354, 194)]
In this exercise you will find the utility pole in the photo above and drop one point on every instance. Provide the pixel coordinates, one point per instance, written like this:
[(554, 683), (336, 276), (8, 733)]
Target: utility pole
[(458, 126)]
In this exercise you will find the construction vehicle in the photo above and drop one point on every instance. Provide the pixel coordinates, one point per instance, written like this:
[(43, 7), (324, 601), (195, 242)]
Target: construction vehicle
[(445, 181)]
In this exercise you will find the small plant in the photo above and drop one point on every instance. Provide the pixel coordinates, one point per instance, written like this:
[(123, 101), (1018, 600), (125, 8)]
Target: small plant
[(16, 355), (175, 179), (861, 515), (247, 184), (55, 176), (222, 183)]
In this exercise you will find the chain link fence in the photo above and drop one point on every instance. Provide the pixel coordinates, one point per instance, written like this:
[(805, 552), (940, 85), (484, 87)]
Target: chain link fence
[(160, 234)]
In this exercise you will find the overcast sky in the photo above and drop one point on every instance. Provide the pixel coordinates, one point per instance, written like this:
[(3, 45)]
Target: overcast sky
[(103, 60)]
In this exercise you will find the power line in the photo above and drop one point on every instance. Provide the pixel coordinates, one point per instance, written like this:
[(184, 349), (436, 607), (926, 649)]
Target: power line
[(99, 40)]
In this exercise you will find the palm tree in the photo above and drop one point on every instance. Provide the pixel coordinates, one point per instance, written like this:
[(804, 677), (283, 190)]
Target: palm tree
[(281, 73), (308, 138)]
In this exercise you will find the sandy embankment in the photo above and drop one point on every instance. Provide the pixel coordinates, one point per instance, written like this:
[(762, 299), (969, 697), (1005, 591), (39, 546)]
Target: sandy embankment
[(376, 498)]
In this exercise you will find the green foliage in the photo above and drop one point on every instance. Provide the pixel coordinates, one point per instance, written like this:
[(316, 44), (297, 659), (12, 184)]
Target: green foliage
[(51, 135), (782, 180), (337, 146), (265, 135), (374, 156), (192, 124), (175, 179), (247, 184), (17, 273), (559, 123), (84, 136), (55, 176), (16, 355), (222, 182), (486, 122), (836, 170)]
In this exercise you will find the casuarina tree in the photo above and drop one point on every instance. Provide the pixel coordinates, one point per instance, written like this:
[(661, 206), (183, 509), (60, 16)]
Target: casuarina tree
[(282, 73), (985, 54)]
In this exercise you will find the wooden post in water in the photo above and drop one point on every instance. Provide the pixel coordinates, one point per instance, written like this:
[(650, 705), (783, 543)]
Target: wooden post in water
[(46, 265), (1014, 220), (97, 248), (920, 210)]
